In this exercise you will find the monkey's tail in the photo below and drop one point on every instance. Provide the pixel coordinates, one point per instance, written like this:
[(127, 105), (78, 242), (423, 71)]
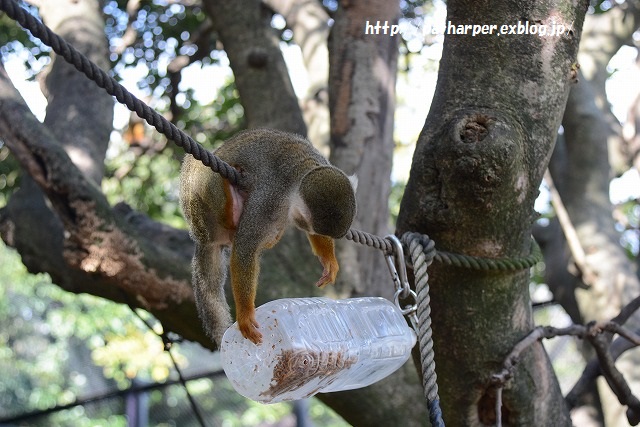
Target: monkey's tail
[(209, 272)]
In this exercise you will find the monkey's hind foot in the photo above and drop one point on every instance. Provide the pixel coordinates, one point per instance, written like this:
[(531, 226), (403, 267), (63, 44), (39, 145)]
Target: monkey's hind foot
[(328, 274)]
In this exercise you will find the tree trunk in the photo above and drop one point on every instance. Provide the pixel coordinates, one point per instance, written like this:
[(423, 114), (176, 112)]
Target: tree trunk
[(604, 34), (362, 78), (361, 103), (475, 176), (259, 69), (84, 108), (310, 25)]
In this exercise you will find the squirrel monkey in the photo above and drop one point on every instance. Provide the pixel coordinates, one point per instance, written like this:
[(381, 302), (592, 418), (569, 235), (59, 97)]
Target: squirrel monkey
[(285, 180)]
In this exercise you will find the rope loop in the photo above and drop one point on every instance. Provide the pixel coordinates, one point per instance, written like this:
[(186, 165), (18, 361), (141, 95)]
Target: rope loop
[(488, 264), (422, 252)]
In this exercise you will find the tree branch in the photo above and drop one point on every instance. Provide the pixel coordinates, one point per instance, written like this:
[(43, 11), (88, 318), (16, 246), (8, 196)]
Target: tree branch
[(592, 371), (594, 333), (577, 251), (615, 379), (89, 246)]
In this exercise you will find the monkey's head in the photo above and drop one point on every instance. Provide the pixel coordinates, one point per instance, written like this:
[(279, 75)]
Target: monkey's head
[(329, 195)]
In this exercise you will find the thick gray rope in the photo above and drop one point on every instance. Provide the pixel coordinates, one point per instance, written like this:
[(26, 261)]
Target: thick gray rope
[(422, 252), (371, 240), (487, 264)]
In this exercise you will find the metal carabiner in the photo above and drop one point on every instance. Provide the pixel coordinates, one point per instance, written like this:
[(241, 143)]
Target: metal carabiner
[(398, 267)]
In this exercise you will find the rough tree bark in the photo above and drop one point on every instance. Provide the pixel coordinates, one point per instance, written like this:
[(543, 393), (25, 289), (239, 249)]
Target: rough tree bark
[(87, 246), (475, 174)]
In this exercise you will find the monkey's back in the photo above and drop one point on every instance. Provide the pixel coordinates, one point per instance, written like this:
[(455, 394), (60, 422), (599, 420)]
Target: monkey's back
[(269, 157)]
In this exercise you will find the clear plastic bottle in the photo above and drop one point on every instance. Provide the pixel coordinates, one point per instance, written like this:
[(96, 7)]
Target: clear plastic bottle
[(313, 345)]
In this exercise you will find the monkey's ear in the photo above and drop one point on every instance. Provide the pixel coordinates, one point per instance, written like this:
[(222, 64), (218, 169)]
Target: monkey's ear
[(353, 179)]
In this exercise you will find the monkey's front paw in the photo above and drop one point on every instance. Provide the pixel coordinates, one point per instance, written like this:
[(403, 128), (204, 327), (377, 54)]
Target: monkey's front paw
[(249, 330)]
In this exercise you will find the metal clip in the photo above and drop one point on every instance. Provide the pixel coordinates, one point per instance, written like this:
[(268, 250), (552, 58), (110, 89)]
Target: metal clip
[(398, 270)]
